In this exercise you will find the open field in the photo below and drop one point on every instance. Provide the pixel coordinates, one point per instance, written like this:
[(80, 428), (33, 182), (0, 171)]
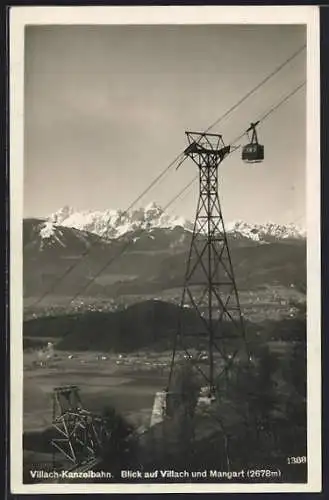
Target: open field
[(128, 383)]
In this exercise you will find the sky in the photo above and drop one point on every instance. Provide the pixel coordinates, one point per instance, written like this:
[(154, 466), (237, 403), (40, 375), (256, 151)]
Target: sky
[(106, 109)]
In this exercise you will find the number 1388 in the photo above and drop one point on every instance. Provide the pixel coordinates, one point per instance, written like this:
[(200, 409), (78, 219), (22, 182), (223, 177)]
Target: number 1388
[(296, 460)]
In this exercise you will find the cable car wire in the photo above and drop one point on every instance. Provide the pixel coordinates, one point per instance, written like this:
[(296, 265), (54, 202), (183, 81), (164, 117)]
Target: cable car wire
[(275, 107), (252, 91), (124, 248), (169, 166), (180, 193), (262, 119)]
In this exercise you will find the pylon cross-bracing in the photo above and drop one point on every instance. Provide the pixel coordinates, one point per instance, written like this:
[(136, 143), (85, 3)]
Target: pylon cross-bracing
[(211, 328), (79, 434)]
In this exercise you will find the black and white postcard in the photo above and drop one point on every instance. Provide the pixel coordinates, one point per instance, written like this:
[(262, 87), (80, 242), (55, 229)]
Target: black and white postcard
[(165, 249)]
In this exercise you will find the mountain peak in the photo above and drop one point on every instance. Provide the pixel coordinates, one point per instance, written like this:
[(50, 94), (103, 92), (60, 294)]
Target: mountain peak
[(60, 215), (47, 230), (153, 206), (111, 223), (263, 232)]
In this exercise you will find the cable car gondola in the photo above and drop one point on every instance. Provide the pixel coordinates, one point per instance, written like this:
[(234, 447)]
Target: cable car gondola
[(253, 152)]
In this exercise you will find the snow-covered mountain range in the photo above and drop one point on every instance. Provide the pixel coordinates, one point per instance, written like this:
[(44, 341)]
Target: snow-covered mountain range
[(261, 232), (145, 252), (114, 223)]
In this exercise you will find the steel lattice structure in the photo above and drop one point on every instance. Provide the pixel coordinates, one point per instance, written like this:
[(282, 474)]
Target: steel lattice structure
[(211, 328), (81, 434)]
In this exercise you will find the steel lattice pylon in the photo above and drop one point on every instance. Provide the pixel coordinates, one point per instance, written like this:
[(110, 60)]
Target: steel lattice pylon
[(80, 435), (211, 328)]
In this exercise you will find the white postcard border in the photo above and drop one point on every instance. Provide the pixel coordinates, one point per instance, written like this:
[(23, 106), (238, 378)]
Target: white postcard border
[(21, 16)]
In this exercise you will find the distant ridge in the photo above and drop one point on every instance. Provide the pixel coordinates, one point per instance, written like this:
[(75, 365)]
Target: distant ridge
[(115, 223)]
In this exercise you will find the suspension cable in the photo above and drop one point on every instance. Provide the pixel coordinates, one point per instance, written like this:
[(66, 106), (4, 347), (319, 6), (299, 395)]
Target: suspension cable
[(262, 119)]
